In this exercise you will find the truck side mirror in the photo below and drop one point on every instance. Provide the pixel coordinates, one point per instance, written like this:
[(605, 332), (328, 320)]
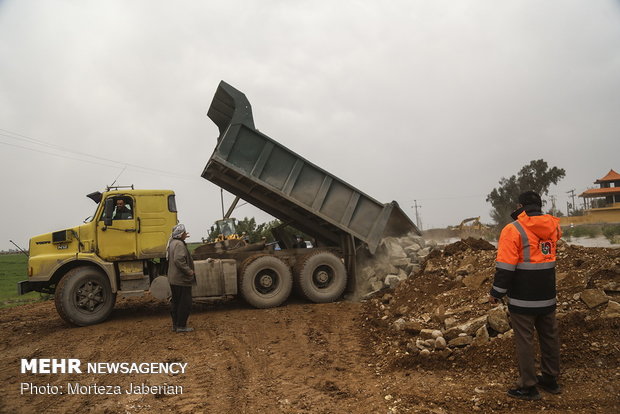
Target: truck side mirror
[(108, 209)]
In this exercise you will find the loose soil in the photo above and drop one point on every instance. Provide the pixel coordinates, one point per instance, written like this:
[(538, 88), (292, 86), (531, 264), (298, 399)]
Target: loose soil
[(341, 357)]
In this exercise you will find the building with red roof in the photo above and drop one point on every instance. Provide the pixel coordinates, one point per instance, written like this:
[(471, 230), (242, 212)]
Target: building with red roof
[(609, 188), (602, 203)]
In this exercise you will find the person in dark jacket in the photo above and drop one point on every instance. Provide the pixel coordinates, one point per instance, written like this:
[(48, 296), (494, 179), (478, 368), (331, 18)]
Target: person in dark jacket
[(525, 273), (181, 277), (300, 243), (122, 211)]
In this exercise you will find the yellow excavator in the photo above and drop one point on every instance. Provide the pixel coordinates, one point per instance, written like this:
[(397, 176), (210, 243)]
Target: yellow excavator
[(225, 229), (225, 236), (470, 226)]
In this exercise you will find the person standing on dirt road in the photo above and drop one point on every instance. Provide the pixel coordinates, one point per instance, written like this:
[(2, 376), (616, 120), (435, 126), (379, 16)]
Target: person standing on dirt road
[(525, 273), (180, 276)]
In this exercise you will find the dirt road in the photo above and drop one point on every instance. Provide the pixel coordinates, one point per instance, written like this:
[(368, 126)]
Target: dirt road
[(297, 358)]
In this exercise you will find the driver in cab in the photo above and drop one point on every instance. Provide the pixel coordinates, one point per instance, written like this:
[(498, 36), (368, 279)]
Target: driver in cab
[(122, 211)]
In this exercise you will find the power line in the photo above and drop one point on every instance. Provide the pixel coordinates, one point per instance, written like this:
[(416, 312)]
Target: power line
[(57, 155), (116, 164), (449, 198), (144, 171)]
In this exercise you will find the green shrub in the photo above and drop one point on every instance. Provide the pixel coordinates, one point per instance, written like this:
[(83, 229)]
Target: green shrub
[(612, 232), (582, 231)]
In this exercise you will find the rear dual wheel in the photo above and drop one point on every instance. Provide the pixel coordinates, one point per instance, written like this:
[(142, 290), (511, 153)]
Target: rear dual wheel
[(321, 277), (265, 281)]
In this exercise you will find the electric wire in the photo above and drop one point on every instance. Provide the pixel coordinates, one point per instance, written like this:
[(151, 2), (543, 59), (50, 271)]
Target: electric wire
[(22, 137), (448, 197), (114, 164)]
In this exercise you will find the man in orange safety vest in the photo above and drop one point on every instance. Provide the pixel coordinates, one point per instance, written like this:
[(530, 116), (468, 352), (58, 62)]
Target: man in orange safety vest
[(525, 273)]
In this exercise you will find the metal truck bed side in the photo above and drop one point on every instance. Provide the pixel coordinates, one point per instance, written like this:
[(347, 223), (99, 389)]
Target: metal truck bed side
[(263, 172)]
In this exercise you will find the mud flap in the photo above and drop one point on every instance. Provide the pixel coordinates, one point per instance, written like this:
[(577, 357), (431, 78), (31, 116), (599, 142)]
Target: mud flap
[(24, 287)]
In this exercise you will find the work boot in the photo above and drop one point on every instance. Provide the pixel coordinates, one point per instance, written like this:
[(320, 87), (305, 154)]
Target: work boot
[(548, 383), (526, 393), (184, 329), (174, 328)]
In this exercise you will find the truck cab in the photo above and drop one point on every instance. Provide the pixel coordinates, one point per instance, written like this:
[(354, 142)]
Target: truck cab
[(118, 251)]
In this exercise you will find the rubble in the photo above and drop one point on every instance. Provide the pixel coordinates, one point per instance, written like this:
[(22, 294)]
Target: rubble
[(395, 260), (452, 333), (497, 320), (612, 310), (472, 325), (594, 297), (440, 343), (446, 308), (450, 322), (482, 336), (461, 341), (475, 281), (427, 333)]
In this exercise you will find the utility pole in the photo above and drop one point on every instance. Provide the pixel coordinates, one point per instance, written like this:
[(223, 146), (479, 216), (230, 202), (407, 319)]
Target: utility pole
[(552, 205), (418, 218), (571, 193)]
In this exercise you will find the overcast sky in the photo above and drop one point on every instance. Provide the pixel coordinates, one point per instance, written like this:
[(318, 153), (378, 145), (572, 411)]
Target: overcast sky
[(408, 100)]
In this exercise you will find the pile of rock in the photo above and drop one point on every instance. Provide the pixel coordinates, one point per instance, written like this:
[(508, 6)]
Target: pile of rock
[(395, 260), (442, 310), (597, 297), (448, 333)]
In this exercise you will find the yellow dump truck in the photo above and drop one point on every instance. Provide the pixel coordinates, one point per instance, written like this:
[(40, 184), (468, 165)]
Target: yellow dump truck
[(121, 250)]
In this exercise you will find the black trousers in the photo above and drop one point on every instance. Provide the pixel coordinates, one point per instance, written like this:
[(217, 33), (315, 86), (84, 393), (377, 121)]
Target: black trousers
[(181, 305)]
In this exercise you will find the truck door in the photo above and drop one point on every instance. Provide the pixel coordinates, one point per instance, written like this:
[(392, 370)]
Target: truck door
[(118, 240), (157, 216)]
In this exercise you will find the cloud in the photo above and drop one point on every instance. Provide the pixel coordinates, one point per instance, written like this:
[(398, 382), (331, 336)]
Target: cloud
[(406, 100)]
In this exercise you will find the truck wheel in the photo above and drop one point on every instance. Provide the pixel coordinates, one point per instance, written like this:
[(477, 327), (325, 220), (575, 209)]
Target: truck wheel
[(265, 282), (321, 277), (84, 296)]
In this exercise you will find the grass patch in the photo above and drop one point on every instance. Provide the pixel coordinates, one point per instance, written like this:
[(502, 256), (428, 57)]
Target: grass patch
[(13, 268), (612, 232), (193, 246), (586, 230)]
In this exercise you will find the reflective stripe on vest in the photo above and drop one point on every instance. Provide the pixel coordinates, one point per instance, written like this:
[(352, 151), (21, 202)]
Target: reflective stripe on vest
[(527, 261), (525, 241), (536, 266), (532, 303), (499, 289), (505, 266)]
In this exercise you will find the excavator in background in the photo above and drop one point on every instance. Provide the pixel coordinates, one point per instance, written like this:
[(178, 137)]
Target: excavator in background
[(470, 226), (225, 228)]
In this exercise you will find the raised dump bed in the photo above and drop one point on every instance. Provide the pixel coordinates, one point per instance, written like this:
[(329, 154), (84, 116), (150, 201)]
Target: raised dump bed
[(268, 175)]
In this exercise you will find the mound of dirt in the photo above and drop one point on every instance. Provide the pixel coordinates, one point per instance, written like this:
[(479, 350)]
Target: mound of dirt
[(468, 243), (448, 299)]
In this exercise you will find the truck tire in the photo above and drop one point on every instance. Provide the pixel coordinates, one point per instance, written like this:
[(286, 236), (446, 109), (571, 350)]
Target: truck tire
[(321, 277), (265, 281), (84, 296)]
